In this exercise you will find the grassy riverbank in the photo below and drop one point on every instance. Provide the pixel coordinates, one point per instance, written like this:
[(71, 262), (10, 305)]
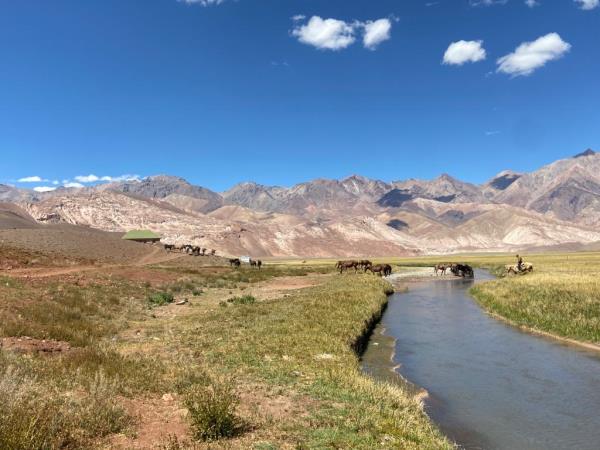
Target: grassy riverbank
[(273, 367), (562, 296)]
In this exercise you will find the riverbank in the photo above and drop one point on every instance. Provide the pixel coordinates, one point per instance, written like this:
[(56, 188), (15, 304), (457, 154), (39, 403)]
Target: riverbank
[(560, 299), (160, 356), (563, 304), (489, 385)]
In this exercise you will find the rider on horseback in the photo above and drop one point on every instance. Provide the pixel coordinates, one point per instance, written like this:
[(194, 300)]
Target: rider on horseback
[(519, 263)]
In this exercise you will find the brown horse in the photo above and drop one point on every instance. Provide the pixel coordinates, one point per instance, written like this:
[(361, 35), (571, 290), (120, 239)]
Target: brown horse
[(235, 262), (256, 263), (441, 268), (387, 270), (378, 269), (347, 265), (365, 264)]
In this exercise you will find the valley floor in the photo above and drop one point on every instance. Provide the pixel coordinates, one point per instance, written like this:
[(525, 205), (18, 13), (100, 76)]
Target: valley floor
[(172, 357)]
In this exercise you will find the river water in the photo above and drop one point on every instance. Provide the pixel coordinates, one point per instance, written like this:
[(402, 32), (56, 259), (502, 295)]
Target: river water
[(490, 385)]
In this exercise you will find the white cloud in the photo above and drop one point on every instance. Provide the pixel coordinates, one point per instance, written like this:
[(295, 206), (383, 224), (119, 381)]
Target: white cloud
[(377, 32), (73, 185), (55, 183), (298, 17), (334, 34), (530, 56), (588, 4), (326, 34), (532, 3), (492, 133), (488, 2), (44, 189), (127, 177), (461, 52), (202, 2), (33, 179), (91, 178)]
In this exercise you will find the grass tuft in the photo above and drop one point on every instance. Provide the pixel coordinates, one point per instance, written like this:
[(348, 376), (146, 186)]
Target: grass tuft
[(212, 410), (244, 300), (160, 299)]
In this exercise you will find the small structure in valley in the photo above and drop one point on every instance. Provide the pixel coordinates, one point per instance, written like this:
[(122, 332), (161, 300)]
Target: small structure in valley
[(144, 236)]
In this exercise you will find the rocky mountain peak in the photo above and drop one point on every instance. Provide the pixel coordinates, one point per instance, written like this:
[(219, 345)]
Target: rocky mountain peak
[(503, 180), (588, 152)]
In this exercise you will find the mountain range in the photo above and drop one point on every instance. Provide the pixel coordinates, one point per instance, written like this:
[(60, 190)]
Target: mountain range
[(557, 206)]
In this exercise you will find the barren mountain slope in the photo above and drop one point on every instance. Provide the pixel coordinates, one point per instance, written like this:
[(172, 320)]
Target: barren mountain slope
[(169, 187), (112, 211), (311, 199), (568, 189)]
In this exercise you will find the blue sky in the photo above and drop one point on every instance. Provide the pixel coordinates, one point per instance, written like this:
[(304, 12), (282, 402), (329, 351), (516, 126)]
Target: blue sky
[(240, 90)]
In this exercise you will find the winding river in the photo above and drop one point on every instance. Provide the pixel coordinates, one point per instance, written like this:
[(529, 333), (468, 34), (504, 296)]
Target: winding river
[(490, 385)]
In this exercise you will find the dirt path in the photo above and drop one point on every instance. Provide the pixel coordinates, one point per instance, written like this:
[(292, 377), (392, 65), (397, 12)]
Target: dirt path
[(53, 272), (157, 256)]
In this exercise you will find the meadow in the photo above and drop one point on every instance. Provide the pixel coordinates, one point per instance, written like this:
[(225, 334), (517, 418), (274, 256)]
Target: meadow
[(561, 297), (231, 369)]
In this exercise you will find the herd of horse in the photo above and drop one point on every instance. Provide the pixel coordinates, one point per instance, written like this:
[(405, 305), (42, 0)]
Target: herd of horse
[(458, 270), (193, 250), (384, 270), (237, 262)]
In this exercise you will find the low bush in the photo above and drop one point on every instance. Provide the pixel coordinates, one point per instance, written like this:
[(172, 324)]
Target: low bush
[(212, 410), (245, 300), (160, 298)]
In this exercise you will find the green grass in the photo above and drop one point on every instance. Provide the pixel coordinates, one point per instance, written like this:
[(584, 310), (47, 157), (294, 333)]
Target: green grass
[(161, 298), (212, 410), (301, 348), (305, 343), (244, 300), (561, 296)]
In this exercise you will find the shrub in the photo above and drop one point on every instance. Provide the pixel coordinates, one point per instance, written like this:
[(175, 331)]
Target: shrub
[(212, 411), (245, 300), (160, 298), (196, 292)]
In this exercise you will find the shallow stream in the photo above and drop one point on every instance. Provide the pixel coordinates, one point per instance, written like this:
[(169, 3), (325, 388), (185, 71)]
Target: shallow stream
[(489, 385)]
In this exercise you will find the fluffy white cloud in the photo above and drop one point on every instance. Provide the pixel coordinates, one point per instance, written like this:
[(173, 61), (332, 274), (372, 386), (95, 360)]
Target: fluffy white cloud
[(530, 56), (377, 32), (532, 3), (73, 185), (334, 34), (44, 189), (588, 4), (461, 52), (91, 178), (33, 179), (326, 34)]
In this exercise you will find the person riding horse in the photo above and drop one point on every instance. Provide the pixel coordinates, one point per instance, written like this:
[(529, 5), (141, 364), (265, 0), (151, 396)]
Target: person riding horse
[(519, 263)]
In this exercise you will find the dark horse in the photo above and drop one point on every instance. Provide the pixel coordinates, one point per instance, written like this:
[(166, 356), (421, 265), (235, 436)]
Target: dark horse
[(235, 262), (383, 270), (365, 264), (462, 270), (256, 263), (347, 265)]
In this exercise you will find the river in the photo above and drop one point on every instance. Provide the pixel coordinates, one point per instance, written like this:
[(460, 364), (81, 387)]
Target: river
[(490, 385)]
